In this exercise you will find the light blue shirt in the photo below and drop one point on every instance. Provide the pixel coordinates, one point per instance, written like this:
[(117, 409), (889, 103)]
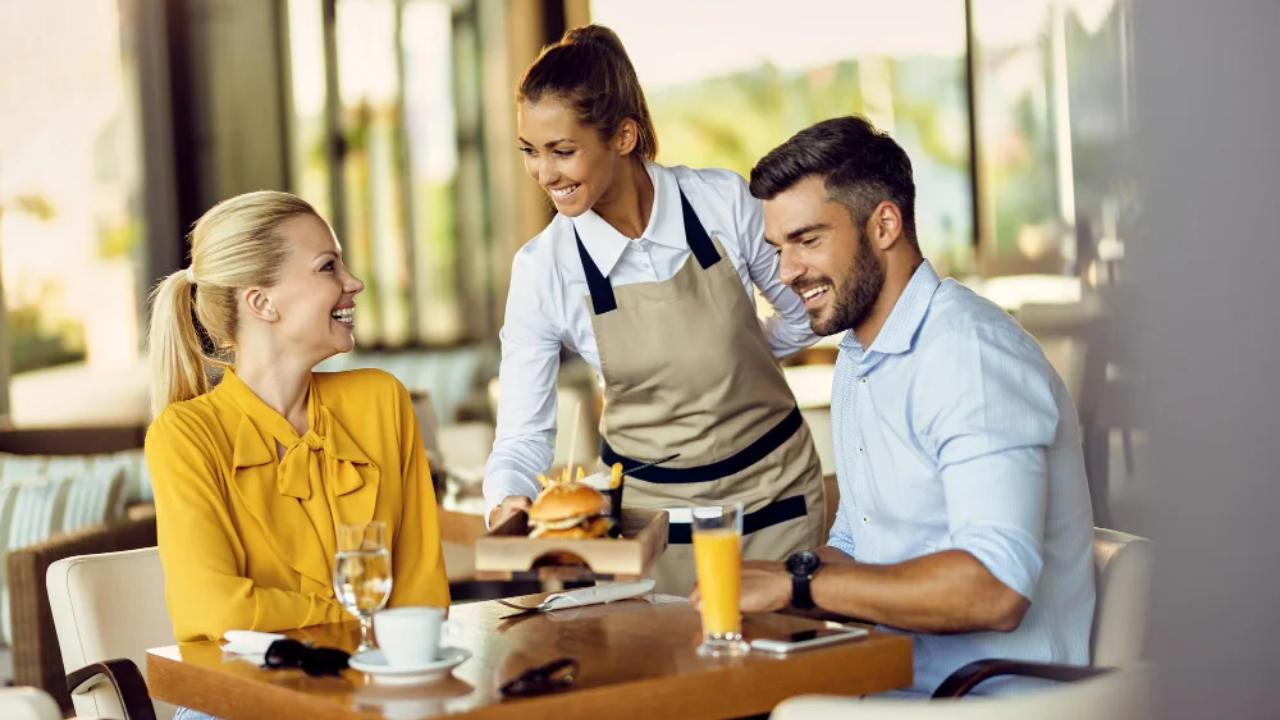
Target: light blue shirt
[(953, 431)]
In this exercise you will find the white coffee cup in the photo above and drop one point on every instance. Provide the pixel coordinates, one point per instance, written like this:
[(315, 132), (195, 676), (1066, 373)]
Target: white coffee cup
[(410, 636)]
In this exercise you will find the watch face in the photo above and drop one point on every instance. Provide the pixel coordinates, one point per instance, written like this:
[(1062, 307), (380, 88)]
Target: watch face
[(802, 563)]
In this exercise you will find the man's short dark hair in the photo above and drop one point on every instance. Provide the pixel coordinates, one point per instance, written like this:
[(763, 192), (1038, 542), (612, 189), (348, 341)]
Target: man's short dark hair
[(861, 167)]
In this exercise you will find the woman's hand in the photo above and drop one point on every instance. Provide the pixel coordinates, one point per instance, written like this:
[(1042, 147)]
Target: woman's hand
[(510, 505)]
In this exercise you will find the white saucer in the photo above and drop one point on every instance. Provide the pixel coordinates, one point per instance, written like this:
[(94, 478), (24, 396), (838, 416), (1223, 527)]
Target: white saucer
[(374, 664)]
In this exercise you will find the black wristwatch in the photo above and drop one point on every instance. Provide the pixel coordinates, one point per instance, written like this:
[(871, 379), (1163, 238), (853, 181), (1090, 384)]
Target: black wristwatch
[(802, 566)]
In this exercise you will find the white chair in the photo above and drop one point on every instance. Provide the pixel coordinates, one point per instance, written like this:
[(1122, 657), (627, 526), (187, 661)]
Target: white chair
[(26, 703), (1122, 567), (1116, 696), (108, 610)]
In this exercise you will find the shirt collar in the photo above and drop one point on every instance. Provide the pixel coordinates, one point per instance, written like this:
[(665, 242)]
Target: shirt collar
[(906, 317), (605, 244)]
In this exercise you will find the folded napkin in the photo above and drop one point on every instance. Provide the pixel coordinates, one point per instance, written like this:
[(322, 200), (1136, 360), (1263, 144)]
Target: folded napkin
[(249, 643), (596, 595)]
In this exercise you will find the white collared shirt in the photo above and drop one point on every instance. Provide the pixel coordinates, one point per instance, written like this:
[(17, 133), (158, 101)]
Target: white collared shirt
[(547, 306)]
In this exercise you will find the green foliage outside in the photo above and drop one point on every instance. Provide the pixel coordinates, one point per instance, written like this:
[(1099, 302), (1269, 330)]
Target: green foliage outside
[(733, 121)]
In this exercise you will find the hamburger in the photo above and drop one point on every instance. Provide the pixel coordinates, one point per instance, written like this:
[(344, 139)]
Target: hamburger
[(571, 510)]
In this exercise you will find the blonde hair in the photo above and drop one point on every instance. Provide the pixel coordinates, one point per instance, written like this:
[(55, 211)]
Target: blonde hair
[(236, 244)]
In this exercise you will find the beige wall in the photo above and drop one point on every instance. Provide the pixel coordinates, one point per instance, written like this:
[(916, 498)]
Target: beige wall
[(577, 12)]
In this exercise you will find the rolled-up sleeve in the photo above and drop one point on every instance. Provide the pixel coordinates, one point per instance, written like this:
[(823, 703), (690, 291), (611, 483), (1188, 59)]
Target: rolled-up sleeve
[(986, 409)]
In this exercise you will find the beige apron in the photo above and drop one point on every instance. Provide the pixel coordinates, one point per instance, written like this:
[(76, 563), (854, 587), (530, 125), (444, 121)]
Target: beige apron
[(687, 369)]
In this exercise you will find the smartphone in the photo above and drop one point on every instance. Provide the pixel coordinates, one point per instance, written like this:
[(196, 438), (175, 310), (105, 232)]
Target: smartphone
[(806, 639)]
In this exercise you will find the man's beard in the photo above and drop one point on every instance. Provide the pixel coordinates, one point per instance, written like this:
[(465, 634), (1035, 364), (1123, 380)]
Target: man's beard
[(853, 300)]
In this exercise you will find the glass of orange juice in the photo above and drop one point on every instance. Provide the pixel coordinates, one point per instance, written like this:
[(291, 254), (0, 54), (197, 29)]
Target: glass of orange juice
[(717, 551)]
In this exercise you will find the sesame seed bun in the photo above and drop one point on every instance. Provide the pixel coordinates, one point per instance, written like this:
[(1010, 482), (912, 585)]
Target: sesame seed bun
[(567, 500)]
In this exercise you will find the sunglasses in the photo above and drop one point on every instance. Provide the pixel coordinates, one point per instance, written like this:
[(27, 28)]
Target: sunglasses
[(314, 661), (555, 675)]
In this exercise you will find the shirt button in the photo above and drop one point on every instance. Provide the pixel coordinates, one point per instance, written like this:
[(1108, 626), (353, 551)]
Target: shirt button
[(859, 451), (865, 519), (644, 265), (864, 381)]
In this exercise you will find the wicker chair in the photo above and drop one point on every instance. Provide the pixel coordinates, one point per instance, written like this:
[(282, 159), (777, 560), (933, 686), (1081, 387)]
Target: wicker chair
[(37, 661)]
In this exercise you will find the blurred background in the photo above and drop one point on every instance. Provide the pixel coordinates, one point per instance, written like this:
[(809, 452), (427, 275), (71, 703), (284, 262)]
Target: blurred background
[(1105, 170), (121, 121)]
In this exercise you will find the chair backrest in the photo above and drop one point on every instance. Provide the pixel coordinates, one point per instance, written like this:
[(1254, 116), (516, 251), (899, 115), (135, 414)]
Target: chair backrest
[(1120, 619), (105, 607), (27, 703), (73, 441)]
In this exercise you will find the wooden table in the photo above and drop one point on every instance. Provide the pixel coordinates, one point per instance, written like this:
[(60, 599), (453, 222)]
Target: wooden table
[(637, 660)]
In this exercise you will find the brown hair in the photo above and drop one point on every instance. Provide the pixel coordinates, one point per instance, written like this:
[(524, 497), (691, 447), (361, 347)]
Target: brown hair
[(860, 166), (236, 244), (589, 69)]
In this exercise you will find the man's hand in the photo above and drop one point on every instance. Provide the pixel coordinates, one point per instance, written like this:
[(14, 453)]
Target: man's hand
[(510, 505), (766, 587)]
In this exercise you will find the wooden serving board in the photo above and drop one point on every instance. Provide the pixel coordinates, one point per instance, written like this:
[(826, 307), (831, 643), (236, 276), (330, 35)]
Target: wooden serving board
[(508, 553)]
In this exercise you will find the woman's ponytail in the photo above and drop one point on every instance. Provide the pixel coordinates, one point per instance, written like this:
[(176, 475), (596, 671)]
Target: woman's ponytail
[(178, 363)]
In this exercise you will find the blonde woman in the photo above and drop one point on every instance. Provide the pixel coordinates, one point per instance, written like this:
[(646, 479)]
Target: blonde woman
[(252, 476)]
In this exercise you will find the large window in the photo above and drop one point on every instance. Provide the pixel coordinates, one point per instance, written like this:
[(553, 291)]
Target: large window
[(310, 161), (1051, 96), (72, 240), (1027, 200), (1053, 122), (1099, 49), (375, 142), (771, 69), (432, 169)]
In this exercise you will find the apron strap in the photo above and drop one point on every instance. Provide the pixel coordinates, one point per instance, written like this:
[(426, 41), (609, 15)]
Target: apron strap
[(696, 235), (602, 297), (732, 465), (681, 533)]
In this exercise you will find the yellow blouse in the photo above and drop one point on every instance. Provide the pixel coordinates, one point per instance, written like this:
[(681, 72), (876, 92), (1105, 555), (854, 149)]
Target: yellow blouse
[(247, 536)]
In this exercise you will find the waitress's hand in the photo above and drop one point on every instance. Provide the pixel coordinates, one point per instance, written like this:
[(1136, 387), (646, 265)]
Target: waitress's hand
[(509, 506)]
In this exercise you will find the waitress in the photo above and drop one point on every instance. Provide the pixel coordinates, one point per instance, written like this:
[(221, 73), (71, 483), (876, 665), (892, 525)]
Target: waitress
[(647, 273)]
